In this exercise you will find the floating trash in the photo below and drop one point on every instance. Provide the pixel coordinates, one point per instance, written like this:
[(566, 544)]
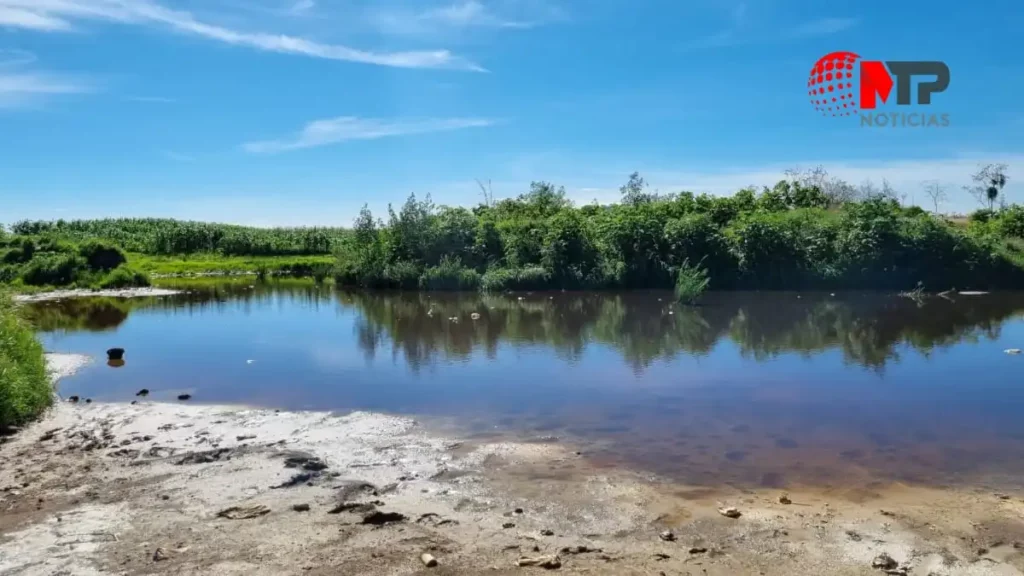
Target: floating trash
[(1012, 350), (475, 315)]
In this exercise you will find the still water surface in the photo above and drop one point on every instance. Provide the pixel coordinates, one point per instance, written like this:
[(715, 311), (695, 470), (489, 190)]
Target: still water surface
[(752, 389)]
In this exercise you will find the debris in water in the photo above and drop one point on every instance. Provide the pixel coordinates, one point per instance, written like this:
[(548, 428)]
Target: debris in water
[(143, 392), (249, 361), (184, 397), (475, 315), (1012, 350)]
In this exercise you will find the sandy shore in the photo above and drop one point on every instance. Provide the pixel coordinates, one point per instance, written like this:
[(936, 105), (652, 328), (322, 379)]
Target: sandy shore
[(125, 293), (155, 488)]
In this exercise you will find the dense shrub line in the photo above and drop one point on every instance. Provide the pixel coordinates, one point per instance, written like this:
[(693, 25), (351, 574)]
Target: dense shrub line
[(47, 261), (164, 236), (791, 236)]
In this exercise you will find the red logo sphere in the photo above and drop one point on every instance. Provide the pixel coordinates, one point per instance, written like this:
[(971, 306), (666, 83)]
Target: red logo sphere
[(830, 85)]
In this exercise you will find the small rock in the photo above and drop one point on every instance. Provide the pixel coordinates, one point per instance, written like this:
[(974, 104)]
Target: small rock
[(245, 437), (73, 399), (518, 511), (887, 513), (301, 507), (184, 397), (730, 512), (353, 507), (378, 518), (88, 400), (884, 562), (1002, 496), (660, 556), (550, 562), (143, 392), (853, 535), (243, 512), (698, 550), (134, 402), (165, 497), (578, 550), (667, 536), (547, 532), (784, 499), (160, 555), (428, 560), (507, 525)]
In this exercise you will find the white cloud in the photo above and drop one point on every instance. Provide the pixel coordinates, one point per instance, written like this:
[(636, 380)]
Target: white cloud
[(13, 17), (53, 15), (19, 89), (334, 130)]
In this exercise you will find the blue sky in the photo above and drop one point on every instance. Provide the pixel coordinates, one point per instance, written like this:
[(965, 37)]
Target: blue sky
[(298, 111)]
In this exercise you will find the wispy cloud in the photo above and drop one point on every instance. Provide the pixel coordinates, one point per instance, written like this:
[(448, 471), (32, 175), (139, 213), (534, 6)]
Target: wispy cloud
[(150, 99), (20, 89), (345, 128), (302, 6), (823, 27), (464, 15), (57, 15)]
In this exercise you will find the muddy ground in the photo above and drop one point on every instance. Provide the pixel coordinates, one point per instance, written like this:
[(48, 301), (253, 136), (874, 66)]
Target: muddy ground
[(156, 488)]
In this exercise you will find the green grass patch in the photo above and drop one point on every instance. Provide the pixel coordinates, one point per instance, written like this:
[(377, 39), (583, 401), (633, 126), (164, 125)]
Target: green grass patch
[(215, 263), (25, 387)]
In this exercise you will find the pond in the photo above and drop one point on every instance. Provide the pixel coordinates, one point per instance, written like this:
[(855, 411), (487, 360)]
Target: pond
[(749, 389)]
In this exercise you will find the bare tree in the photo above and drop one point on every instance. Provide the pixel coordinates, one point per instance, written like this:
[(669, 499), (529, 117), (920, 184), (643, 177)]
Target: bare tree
[(835, 190), (935, 191), (487, 191), (989, 182)]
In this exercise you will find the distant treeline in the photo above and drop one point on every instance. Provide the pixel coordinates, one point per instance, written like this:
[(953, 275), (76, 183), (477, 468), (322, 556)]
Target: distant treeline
[(792, 236), (162, 236)]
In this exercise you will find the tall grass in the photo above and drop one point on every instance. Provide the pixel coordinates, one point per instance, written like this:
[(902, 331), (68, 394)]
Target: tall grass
[(25, 388), (691, 282)]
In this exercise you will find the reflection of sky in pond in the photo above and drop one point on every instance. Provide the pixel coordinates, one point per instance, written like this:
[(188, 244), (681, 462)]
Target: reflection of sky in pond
[(750, 388)]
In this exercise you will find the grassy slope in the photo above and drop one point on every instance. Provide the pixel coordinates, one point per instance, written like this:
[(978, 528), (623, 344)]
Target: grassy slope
[(205, 263)]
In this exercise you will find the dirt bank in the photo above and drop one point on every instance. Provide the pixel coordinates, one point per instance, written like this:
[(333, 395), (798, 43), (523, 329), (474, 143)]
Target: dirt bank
[(157, 488), (125, 293)]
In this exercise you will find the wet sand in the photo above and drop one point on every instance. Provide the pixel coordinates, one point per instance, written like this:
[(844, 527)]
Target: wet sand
[(147, 488)]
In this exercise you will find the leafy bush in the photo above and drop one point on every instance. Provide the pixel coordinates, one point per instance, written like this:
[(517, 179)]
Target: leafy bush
[(53, 270), (25, 388), (100, 255), (449, 275), (124, 277), (691, 282), (504, 279)]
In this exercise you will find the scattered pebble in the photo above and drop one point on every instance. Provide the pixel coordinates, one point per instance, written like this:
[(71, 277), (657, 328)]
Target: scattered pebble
[(546, 532), (301, 507), (518, 511), (507, 525), (160, 555), (698, 550), (428, 560), (784, 499), (884, 562), (730, 512), (550, 562), (243, 512)]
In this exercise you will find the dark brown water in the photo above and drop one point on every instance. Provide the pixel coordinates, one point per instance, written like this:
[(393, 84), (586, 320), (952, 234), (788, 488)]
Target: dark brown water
[(754, 389)]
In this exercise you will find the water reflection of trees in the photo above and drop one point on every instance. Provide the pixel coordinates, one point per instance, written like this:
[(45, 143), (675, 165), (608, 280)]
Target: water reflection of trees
[(869, 329)]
